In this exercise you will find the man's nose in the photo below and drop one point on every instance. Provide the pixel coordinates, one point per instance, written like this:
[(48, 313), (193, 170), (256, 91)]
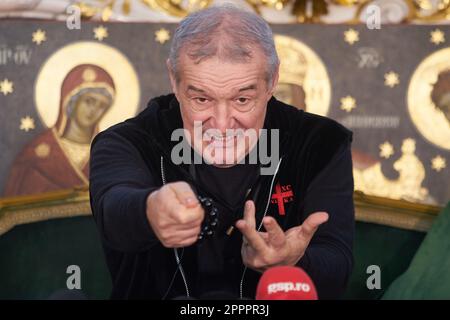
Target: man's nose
[(223, 118)]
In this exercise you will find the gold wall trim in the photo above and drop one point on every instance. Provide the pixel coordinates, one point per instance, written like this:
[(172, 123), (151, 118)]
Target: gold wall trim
[(19, 210), (394, 213)]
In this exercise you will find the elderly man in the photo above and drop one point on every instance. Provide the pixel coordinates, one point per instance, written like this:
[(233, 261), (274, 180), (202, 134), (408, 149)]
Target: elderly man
[(223, 69)]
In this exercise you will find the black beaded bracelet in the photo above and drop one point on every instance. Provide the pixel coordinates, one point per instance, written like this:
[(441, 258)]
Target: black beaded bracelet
[(211, 219)]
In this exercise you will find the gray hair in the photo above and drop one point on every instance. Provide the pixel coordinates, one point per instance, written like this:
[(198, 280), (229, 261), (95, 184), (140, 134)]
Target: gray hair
[(224, 31)]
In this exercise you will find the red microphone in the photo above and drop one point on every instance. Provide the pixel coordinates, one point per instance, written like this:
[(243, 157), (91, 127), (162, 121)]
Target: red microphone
[(285, 283)]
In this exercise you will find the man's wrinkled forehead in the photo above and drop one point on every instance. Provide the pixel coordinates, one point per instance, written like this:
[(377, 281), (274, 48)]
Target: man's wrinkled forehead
[(245, 88), (233, 89), (222, 69), (216, 82)]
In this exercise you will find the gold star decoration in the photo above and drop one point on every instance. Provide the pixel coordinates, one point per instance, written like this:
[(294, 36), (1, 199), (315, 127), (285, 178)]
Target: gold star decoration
[(27, 124), (351, 36), (391, 79), (438, 163), (6, 87), (386, 150), (162, 35), (348, 103), (39, 36), (437, 36), (100, 33)]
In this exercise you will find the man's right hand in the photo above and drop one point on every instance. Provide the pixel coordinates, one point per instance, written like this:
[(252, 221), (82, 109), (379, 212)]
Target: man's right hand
[(175, 214)]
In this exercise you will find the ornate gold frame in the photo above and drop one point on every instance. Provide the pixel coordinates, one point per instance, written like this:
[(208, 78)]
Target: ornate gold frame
[(394, 213), (19, 210)]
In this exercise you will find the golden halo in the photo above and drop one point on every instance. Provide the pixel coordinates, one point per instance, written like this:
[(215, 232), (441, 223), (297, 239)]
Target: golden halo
[(429, 121), (316, 82), (48, 83)]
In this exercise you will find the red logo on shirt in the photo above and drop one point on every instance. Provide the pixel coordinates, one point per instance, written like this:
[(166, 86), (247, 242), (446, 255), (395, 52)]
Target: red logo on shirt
[(282, 195)]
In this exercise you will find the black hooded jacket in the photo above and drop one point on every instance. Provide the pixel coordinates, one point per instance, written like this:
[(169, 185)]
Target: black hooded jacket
[(133, 158)]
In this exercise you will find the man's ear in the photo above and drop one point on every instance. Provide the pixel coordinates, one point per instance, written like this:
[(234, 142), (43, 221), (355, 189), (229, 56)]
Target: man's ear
[(173, 81)]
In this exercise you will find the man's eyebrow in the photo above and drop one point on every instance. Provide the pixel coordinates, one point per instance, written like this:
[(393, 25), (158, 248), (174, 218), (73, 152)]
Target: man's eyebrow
[(191, 87), (249, 87)]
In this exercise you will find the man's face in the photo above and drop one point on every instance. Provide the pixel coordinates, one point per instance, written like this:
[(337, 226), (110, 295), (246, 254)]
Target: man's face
[(223, 96)]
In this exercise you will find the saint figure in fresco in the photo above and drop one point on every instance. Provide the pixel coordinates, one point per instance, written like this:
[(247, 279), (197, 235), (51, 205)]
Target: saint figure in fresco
[(440, 95), (58, 158)]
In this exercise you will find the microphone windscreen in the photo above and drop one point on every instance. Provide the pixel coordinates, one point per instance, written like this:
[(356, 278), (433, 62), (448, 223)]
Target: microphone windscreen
[(285, 283)]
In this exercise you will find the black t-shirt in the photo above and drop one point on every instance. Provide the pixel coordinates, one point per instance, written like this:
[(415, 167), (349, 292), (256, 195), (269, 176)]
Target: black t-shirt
[(230, 187)]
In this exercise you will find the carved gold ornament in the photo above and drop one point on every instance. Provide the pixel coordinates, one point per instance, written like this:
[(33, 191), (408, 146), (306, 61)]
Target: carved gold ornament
[(177, 8)]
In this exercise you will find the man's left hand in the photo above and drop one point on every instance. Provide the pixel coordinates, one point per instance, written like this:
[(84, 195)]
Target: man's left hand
[(262, 250)]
